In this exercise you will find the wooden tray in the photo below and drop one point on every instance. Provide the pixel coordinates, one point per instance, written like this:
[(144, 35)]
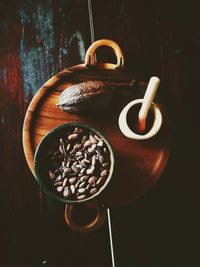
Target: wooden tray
[(139, 164)]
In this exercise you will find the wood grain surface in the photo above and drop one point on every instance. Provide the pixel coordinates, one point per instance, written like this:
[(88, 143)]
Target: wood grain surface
[(138, 165), (38, 39)]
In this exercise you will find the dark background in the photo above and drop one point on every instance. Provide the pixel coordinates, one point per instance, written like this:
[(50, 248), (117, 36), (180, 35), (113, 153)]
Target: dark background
[(40, 38)]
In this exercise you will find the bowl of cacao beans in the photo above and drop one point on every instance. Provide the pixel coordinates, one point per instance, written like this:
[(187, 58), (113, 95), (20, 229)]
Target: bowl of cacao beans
[(74, 163)]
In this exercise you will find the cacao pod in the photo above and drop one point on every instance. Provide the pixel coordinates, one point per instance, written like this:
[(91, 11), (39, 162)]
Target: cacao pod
[(86, 97)]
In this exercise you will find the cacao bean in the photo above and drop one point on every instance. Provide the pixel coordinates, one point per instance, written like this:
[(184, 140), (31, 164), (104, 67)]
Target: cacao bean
[(93, 139), (73, 189), (58, 183), (72, 137), (73, 180), (101, 181), (81, 190), (78, 130), (65, 182), (100, 143), (84, 178), (87, 143), (59, 188), (92, 180), (105, 165), (82, 184), (101, 159), (67, 192), (93, 191), (90, 170), (104, 173), (58, 178), (80, 197)]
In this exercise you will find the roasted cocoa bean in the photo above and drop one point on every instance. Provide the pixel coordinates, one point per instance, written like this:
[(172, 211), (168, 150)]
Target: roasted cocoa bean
[(78, 130), (80, 158), (93, 191), (84, 178), (75, 168), (84, 139), (90, 170), (92, 180), (90, 150), (104, 173), (58, 183), (69, 163), (82, 171), (58, 178), (68, 147), (73, 189), (100, 143), (59, 188), (87, 187), (61, 149), (67, 170), (101, 181), (101, 159), (87, 143), (81, 190), (67, 192), (80, 197), (72, 137), (93, 161), (106, 165), (65, 182), (79, 153), (61, 141), (73, 180), (81, 185), (96, 137), (93, 139), (77, 184)]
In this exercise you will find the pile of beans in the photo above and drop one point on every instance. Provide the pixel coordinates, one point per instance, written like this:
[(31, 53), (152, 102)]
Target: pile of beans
[(79, 163)]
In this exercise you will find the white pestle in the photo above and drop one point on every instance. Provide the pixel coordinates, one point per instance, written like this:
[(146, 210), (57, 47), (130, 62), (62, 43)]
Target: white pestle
[(147, 101)]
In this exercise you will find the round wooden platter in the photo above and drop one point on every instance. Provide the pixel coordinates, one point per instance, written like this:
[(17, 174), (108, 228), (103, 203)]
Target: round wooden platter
[(138, 164)]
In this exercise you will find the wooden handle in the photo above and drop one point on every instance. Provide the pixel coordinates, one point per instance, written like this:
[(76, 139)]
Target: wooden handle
[(90, 58), (91, 226)]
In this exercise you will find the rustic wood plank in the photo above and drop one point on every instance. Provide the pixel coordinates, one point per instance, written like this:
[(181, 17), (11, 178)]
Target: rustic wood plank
[(20, 201), (38, 38), (157, 39), (133, 25)]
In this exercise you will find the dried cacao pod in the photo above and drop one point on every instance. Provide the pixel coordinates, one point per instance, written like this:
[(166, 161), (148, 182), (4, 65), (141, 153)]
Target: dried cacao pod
[(86, 97)]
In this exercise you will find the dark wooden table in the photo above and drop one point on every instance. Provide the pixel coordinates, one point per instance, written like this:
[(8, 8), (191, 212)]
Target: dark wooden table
[(38, 39)]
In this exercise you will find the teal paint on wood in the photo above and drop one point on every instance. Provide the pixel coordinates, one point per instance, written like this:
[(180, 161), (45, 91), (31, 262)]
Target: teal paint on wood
[(37, 44), (43, 51), (81, 45), (80, 42)]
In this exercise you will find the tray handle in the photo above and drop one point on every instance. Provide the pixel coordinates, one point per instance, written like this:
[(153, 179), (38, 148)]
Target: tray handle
[(91, 226), (90, 58)]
